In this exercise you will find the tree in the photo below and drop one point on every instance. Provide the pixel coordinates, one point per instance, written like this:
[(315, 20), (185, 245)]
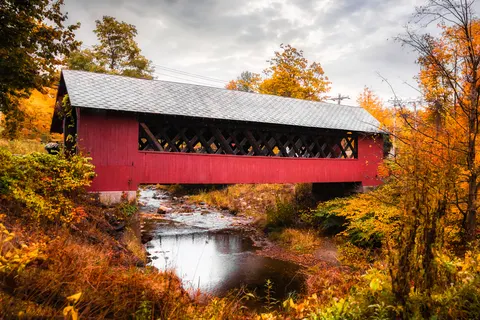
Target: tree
[(247, 82), (117, 53), (451, 79), (289, 75), (85, 60), (38, 110), (33, 40), (372, 103)]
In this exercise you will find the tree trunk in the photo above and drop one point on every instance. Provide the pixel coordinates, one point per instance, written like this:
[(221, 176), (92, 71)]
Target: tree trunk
[(471, 215)]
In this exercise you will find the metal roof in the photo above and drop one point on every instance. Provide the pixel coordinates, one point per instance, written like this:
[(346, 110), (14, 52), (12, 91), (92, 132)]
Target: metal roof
[(111, 92)]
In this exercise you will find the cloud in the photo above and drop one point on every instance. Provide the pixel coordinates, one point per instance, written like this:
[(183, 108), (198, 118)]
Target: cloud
[(352, 39)]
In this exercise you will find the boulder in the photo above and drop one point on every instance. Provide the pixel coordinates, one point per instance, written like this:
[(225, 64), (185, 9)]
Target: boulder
[(163, 210)]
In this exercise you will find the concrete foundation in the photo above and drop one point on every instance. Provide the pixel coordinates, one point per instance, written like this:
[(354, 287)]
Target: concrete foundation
[(115, 197)]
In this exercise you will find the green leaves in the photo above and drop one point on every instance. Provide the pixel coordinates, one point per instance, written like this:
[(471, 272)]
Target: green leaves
[(44, 184), (116, 53), (30, 51)]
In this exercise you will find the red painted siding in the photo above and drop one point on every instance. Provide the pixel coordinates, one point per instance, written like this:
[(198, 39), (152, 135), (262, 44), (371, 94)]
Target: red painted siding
[(111, 139)]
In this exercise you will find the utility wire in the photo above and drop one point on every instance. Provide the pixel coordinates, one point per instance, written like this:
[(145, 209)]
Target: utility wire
[(192, 81), (189, 74), (179, 74)]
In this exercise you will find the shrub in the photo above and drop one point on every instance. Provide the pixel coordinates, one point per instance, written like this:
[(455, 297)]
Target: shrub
[(326, 217), (282, 214), (361, 219), (41, 187)]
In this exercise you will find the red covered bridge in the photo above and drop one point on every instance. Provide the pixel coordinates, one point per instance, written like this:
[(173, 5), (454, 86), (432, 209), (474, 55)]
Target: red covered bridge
[(149, 131)]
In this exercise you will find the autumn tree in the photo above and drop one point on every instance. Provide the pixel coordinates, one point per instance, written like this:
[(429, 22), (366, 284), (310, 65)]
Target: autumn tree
[(247, 82), (33, 40), (116, 53), (373, 104), (290, 74), (451, 79)]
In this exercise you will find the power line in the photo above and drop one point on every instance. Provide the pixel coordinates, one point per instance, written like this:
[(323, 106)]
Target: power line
[(192, 81), (190, 74), (205, 79)]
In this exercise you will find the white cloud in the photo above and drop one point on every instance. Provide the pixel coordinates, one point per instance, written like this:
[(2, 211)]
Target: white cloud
[(352, 39)]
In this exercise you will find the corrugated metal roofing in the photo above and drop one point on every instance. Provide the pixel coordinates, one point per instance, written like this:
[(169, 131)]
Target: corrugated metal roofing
[(110, 92)]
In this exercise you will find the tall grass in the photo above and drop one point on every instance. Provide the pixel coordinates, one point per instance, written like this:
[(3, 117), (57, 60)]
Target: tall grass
[(297, 240), (22, 146), (248, 199)]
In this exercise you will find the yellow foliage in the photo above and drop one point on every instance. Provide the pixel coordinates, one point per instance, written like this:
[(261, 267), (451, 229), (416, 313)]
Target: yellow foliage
[(301, 241), (249, 199), (22, 146), (38, 110), (70, 311), (291, 75), (13, 257)]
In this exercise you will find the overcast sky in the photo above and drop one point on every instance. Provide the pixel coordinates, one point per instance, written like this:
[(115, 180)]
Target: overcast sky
[(352, 39)]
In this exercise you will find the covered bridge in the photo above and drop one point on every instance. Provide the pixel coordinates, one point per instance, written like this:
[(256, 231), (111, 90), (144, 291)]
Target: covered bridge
[(150, 131)]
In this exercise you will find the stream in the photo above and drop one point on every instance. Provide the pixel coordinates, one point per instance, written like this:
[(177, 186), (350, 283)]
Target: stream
[(211, 250)]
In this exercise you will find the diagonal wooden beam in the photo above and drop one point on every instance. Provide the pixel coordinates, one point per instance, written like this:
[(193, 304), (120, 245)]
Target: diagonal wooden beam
[(266, 143), (150, 137), (171, 145), (282, 152), (253, 142), (223, 142), (206, 146)]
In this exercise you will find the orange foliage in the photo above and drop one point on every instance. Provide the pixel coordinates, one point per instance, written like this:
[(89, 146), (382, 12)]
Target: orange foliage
[(38, 110), (372, 103)]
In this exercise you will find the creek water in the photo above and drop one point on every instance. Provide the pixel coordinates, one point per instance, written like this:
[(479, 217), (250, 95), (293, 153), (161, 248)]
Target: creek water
[(210, 253)]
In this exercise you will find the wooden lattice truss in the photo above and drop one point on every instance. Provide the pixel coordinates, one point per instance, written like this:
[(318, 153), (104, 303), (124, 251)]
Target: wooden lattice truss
[(169, 134)]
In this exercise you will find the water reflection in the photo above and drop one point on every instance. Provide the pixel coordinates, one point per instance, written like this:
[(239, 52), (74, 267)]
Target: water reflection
[(217, 262)]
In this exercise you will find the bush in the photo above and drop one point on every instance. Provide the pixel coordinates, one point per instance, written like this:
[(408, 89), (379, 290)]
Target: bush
[(326, 217), (282, 214), (361, 219), (41, 187)]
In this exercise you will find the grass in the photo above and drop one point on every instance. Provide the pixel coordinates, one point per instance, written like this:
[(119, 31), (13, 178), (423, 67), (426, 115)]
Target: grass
[(297, 240), (91, 258), (22, 146), (247, 199)]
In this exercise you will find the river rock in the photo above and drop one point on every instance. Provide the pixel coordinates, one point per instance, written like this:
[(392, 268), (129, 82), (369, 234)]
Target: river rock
[(163, 210)]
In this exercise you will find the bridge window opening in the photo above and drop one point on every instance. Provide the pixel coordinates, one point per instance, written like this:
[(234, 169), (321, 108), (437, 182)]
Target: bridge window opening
[(174, 134)]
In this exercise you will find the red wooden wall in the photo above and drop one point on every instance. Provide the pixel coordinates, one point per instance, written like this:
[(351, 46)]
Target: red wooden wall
[(111, 139)]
